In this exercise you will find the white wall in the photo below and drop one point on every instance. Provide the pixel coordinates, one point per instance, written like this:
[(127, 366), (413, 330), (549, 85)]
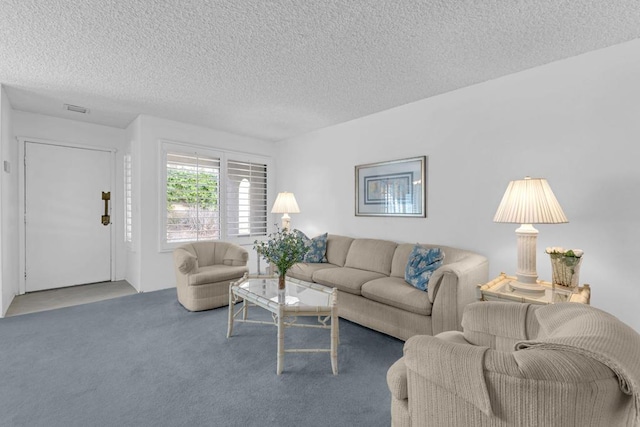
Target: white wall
[(70, 131), (9, 279), (156, 267), (141, 263), (575, 122)]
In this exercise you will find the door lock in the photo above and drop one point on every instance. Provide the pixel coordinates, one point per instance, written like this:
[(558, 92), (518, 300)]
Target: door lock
[(106, 218)]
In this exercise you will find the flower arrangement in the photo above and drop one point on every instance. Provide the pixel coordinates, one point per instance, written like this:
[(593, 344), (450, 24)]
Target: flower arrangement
[(282, 249), (565, 265)]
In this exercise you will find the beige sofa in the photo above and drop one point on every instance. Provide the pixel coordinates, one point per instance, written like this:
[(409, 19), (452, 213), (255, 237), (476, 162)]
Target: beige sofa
[(564, 364), (204, 270), (369, 275)]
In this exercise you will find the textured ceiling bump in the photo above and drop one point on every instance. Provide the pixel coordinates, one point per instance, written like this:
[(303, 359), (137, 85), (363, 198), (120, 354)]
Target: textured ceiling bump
[(276, 69)]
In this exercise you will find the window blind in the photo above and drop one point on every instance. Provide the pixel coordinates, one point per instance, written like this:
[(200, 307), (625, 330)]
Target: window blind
[(246, 199), (128, 199)]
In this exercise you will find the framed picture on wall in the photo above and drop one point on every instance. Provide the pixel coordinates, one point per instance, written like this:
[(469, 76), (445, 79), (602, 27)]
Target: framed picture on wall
[(393, 188)]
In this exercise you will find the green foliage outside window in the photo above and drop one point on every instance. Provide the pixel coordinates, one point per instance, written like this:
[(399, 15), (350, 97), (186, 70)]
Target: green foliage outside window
[(188, 187)]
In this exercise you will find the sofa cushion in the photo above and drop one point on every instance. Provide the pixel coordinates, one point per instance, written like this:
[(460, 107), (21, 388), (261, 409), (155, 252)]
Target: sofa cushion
[(337, 249), (304, 271), (344, 278), (372, 255), (216, 273), (400, 259), (397, 293), (421, 265)]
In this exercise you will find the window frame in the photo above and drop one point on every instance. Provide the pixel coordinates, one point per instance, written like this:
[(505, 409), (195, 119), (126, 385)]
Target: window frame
[(224, 156)]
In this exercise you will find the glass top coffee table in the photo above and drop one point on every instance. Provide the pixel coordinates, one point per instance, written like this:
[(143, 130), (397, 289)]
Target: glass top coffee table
[(299, 298)]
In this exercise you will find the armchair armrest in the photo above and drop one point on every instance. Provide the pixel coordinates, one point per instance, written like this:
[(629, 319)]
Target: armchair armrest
[(399, 388), (454, 367), (235, 256), (397, 380), (185, 261)]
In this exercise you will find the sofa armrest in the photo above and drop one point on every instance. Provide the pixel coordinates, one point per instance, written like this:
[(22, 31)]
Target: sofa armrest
[(185, 262), (470, 270), (452, 287), (236, 256)]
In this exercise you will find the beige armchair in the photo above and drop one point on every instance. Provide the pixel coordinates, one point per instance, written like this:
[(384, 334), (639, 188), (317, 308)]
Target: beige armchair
[(564, 365), (204, 270)]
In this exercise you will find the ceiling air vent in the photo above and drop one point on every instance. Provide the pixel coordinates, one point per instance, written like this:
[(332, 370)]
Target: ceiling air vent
[(76, 109)]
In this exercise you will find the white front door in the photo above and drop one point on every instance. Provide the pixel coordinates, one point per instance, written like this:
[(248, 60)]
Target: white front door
[(65, 241)]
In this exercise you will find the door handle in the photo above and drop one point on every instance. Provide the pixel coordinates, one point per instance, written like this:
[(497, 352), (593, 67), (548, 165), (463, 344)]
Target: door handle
[(106, 218)]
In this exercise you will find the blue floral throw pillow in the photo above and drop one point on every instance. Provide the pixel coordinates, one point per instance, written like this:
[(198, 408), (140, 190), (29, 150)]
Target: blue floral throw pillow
[(317, 247), (421, 265)]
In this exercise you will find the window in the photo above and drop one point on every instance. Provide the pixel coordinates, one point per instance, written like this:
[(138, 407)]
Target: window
[(246, 199), (209, 194), (193, 197)]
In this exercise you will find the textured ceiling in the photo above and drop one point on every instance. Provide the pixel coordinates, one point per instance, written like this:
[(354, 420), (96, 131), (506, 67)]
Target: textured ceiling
[(276, 69)]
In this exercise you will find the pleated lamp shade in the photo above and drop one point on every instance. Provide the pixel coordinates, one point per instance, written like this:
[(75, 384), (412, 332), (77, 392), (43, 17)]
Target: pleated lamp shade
[(285, 203), (529, 201)]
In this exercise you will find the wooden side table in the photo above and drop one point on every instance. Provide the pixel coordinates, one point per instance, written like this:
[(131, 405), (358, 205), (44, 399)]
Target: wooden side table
[(499, 290)]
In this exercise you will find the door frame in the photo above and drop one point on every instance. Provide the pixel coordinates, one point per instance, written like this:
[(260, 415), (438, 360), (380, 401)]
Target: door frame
[(22, 142)]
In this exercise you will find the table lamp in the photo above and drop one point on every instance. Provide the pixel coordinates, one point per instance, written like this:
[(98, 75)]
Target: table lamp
[(528, 201), (285, 204)]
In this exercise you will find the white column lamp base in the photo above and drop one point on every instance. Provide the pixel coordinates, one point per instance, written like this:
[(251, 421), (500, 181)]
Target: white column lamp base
[(286, 222), (526, 273)]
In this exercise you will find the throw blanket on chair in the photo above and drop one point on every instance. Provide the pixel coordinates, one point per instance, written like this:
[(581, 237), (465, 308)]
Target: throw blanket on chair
[(593, 333), (458, 368)]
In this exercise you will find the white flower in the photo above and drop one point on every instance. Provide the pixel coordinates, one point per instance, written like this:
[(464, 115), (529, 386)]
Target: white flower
[(559, 250), (555, 250)]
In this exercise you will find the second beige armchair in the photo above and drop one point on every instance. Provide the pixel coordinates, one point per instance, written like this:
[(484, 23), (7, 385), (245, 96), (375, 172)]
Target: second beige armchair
[(563, 365), (204, 270)]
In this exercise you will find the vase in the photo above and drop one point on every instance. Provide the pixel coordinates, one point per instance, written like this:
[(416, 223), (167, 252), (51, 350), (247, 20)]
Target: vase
[(281, 281), (565, 270)]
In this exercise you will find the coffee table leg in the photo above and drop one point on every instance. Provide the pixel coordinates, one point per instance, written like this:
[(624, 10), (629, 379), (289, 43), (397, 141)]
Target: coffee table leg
[(280, 341), (245, 309), (231, 310), (335, 338)]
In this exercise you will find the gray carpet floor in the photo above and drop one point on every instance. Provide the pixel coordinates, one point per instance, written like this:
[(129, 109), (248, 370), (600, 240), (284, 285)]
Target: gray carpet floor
[(142, 360)]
